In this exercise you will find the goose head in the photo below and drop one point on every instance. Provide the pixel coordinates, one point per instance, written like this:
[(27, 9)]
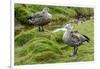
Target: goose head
[(45, 10), (46, 13), (69, 27)]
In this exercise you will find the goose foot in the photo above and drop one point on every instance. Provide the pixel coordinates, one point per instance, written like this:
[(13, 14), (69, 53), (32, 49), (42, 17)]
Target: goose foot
[(41, 30), (73, 55)]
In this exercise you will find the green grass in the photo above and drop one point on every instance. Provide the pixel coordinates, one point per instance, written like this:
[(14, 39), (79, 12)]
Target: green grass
[(33, 47)]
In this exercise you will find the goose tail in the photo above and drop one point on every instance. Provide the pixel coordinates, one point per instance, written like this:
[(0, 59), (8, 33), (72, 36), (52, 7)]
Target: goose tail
[(87, 38)]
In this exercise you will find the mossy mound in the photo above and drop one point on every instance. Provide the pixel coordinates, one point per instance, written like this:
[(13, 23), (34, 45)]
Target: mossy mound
[(43, 47)]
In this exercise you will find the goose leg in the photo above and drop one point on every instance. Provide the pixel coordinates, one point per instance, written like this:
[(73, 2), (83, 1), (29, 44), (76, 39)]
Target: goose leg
[(42, 28), (74, 52), (39, 29)]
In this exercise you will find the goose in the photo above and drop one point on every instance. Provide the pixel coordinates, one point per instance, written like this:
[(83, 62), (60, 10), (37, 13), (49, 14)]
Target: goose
[(78, 20), (74, 38), (40, 18), (81, 19)]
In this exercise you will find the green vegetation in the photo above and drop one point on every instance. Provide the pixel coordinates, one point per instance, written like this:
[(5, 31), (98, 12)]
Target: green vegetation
[(33, 47), (61, 15)]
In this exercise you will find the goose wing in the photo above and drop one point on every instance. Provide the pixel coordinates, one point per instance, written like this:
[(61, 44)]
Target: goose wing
[(37, 18), (75, 39), (37, 15)]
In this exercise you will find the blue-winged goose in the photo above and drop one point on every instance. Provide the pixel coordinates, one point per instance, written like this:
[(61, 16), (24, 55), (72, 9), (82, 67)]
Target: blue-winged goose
[(40, 18), (74, 38)]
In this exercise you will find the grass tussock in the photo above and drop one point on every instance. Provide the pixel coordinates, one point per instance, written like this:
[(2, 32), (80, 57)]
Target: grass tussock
[(33, 47)]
